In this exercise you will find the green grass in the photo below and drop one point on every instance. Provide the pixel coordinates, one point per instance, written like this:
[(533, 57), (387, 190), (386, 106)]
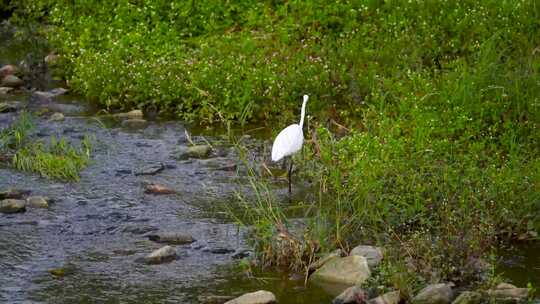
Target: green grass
[(56, 159), (253, 60)]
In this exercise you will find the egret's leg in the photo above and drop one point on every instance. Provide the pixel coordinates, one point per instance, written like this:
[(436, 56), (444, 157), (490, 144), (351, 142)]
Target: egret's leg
[(289, 175)]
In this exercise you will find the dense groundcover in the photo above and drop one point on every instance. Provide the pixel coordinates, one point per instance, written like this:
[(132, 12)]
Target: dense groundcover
[(438, 102)]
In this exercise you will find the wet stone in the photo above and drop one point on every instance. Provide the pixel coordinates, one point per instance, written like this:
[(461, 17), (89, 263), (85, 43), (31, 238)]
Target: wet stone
[(508, 293), (258, 297), (57, 117), (434, 294), (12, 81), (162, 255), (152, 169), (176, 238), (12, 206), (320, 262), (392, 297), (373, 255), (13, 193), (37, 202), (468, 297), (134, 114), (5, 90), (351, 270), (6, 107), (197, 151), (351, 295)]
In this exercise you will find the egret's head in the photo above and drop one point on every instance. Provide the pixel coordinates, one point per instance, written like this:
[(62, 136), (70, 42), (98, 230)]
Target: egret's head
[(306, 98)]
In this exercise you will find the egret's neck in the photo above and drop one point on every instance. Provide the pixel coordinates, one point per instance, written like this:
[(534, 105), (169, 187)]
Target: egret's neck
[(303, 113)]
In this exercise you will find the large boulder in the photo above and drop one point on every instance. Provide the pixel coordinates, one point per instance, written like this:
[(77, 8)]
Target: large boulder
[(320, 262), (12, 81), (373, 255), (468, 297), (12, 206), (351, 270), (257, 297), (351, 295), (508, 293), (392, 297), (434, 294)]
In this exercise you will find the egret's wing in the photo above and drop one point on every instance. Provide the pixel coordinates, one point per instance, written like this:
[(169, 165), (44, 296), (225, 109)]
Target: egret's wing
[(288, 141)]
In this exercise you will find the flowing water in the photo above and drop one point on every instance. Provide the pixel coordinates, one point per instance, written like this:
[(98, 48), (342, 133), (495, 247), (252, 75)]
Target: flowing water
[(95, 230)]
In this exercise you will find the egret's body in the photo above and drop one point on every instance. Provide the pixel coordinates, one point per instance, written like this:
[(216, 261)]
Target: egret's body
[(290, 140)]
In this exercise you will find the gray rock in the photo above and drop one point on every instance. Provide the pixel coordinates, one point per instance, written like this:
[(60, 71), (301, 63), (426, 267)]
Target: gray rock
[(151, 169), (373, 255), (351, 295), (176, 238), (508, 293), (212, 299), (7, 107), (320, 262), (5, 90), (134, 114), (351, 270), (57, 117), (257, 297), (135, 123), (37, 202), (12, 206), (392, 297), (13, 193), (468, 297), (12, 81), (162, 255), (434, 294)]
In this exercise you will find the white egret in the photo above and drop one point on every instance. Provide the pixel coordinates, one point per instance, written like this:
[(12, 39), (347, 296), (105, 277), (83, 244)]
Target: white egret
[(289, 141)]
